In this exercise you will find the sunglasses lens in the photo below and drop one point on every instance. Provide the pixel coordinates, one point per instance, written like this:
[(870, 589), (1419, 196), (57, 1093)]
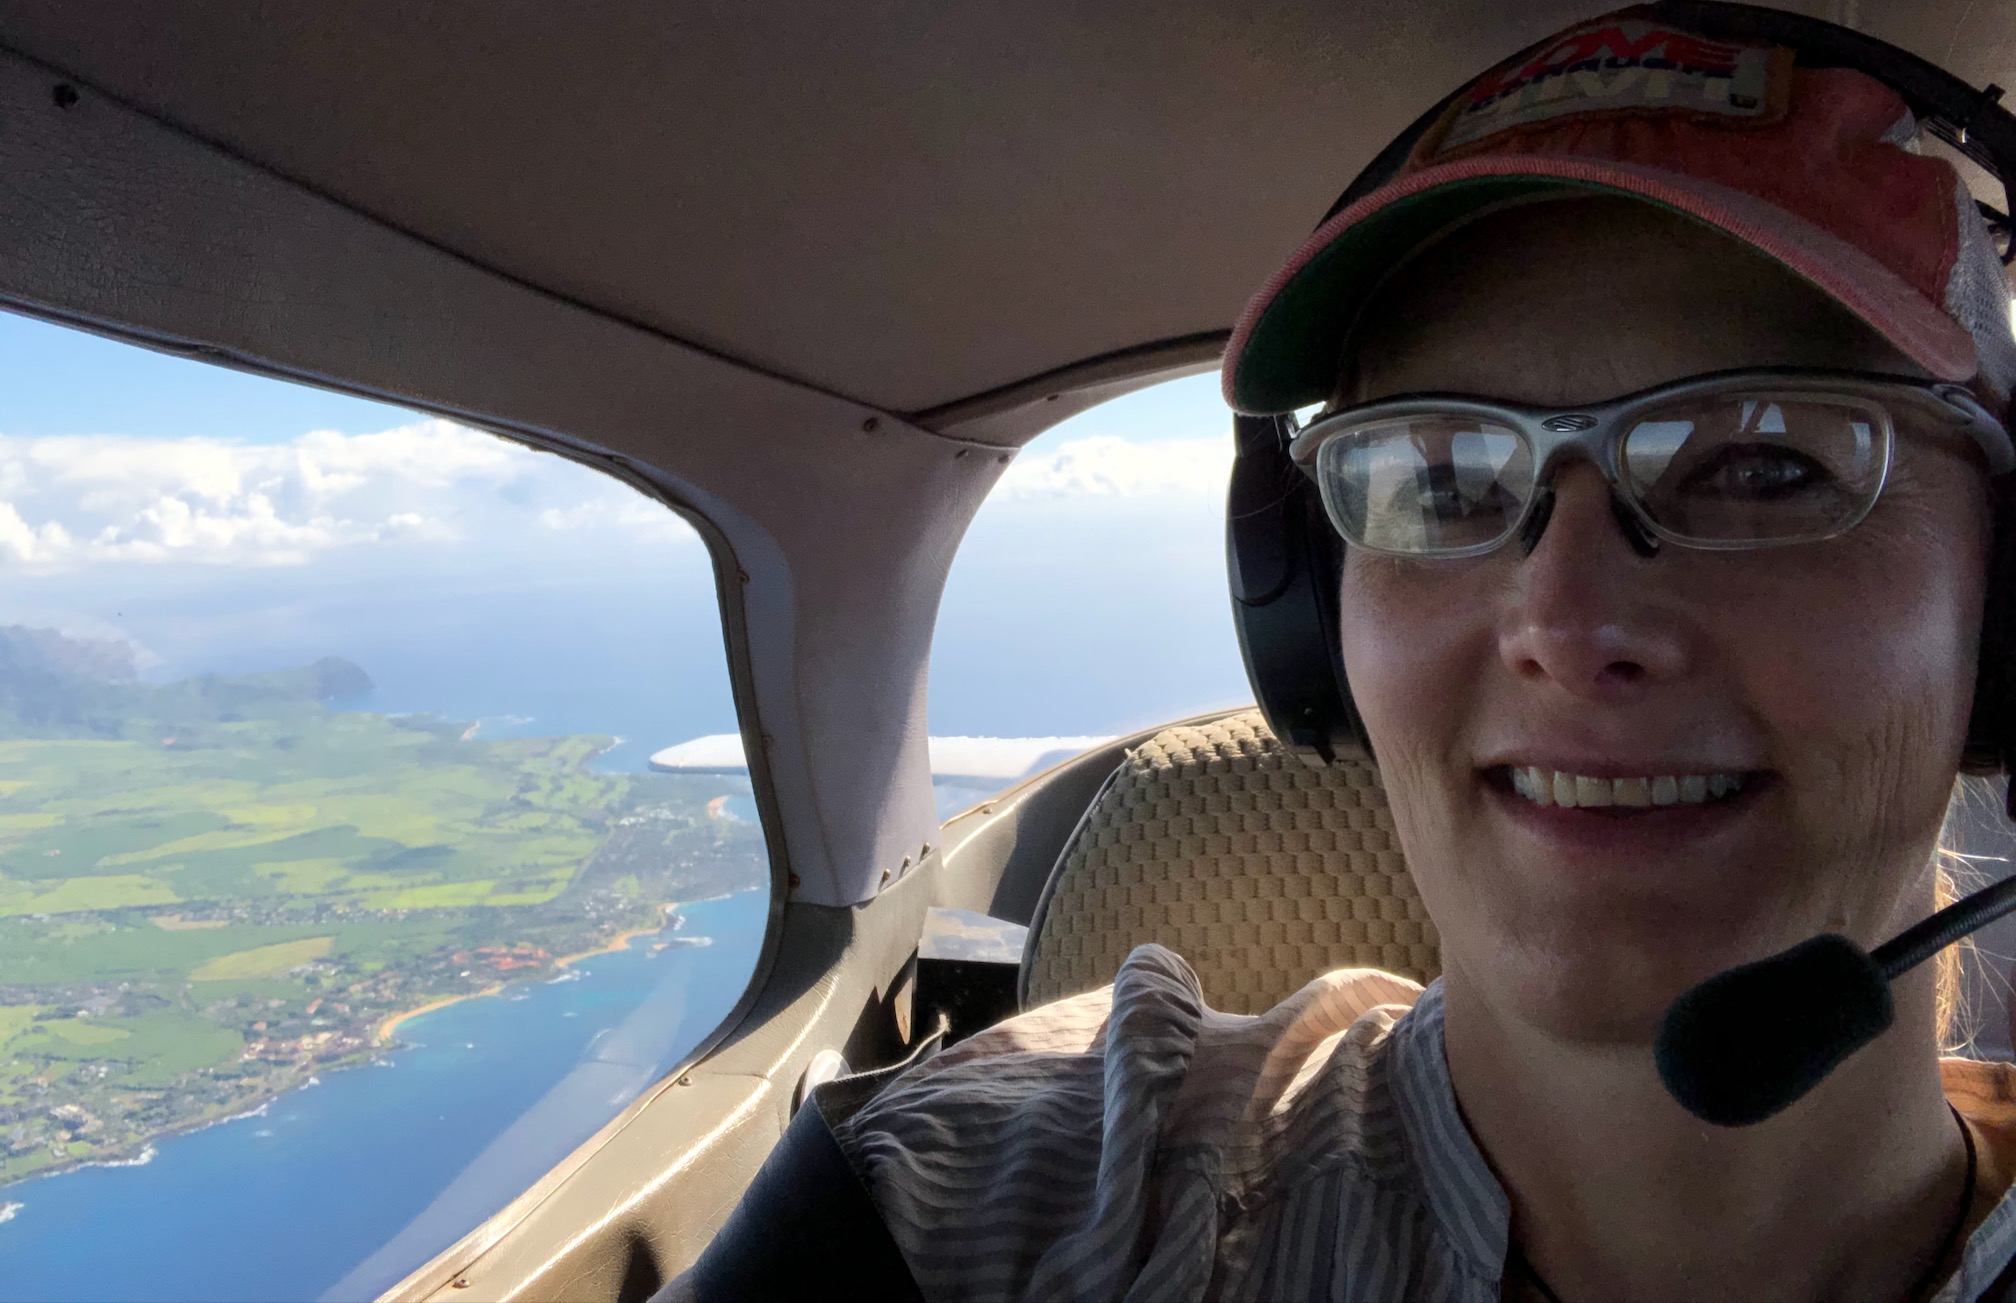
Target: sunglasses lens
[(1425, 485), (1757, 468)]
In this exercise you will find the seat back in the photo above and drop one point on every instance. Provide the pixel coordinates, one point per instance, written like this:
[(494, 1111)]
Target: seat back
[(1260, 870)]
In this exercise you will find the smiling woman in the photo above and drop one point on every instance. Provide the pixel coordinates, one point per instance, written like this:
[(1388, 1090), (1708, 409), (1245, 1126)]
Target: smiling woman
[(315, 723), (1812, 703)]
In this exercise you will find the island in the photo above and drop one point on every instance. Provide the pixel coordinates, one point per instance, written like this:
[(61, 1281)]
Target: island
[(213, 889)]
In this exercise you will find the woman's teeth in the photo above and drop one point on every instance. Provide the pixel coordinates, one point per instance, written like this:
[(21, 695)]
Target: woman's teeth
[(1552, 787)]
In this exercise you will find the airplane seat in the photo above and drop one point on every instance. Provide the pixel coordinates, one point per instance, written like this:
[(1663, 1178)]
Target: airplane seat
[(1260, 870)]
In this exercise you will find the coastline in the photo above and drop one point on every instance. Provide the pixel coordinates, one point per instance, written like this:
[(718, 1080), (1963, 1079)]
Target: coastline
[(385, 1029), (618, 943), (614, 945), (143, 1152)]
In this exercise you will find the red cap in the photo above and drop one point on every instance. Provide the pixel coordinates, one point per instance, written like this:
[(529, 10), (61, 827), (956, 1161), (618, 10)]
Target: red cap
[(1814, 167)]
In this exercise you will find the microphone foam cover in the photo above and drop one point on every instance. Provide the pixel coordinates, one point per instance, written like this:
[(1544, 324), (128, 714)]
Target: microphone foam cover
[(1746, 1043)]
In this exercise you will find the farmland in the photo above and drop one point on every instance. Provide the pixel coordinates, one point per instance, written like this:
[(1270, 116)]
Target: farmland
[(211, 890)]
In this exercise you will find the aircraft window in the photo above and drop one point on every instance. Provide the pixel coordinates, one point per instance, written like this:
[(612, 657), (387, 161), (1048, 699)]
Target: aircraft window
[(338, 901), (1088, 599)]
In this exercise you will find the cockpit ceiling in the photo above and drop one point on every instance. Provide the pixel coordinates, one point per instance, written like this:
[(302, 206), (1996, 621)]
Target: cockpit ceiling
[(908, 202)]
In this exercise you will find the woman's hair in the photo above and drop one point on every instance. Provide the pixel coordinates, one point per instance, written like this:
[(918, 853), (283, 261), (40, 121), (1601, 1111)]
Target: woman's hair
[(1953, 875)]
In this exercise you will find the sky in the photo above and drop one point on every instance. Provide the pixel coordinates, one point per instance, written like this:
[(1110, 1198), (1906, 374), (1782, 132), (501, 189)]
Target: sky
[(226, 522)]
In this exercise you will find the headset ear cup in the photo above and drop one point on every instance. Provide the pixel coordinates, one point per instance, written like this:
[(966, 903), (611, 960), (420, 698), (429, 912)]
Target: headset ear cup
[(1283, 560), (1991, 728), (1331, 580)]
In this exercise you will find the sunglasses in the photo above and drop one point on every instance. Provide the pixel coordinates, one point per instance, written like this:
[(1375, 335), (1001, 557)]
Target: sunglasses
[(1738, 459)]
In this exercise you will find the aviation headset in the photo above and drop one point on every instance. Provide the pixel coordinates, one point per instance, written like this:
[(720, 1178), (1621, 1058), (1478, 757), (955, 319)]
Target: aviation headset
[(1285, 561)]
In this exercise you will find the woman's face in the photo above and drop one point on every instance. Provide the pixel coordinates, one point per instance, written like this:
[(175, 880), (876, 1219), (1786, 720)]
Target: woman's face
[(1835, 677)]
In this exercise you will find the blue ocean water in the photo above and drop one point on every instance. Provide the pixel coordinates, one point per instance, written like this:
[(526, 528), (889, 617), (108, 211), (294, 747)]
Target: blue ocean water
[(341, 1188)]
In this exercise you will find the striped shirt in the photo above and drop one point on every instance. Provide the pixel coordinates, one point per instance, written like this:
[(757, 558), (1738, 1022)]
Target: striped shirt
[(1132, 1143)]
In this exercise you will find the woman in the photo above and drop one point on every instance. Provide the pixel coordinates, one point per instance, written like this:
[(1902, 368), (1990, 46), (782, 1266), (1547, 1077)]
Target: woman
[(1646, 707)]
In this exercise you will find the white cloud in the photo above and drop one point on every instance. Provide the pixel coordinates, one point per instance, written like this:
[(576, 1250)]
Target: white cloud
[(21, 542), (617, 507), (1106, 466), (77, 500)]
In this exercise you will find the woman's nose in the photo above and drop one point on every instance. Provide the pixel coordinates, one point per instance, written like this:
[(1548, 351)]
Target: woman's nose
[(1584, 610)]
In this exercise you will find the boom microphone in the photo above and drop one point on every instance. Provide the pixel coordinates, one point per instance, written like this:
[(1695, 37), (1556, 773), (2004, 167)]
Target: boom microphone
[(1747, 1043)]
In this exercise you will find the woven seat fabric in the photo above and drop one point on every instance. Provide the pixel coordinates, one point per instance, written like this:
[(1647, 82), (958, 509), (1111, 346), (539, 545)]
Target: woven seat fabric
[(1260, 870)]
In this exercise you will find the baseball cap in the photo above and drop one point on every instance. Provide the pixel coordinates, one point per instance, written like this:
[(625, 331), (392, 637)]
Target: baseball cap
[(1816, 168)]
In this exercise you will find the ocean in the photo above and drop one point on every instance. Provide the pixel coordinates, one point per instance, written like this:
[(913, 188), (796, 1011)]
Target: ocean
[(339, 1189)]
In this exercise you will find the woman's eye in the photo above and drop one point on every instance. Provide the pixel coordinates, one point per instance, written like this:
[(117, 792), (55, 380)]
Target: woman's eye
[(1454, 501), (1445, 502), (1757, 472)]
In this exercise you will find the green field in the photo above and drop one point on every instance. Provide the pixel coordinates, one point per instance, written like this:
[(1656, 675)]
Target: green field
[(211, 889), (261, 961)]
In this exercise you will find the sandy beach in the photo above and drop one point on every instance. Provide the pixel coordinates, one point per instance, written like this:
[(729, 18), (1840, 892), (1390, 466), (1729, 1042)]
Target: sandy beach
[(390, 1025), (666, 913), (616, 943)]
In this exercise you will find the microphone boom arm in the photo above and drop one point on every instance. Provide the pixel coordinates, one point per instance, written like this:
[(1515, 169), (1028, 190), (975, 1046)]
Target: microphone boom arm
[(1920, 942)]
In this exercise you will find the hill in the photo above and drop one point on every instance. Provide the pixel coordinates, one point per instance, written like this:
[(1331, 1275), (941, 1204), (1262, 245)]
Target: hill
[(55, 686)]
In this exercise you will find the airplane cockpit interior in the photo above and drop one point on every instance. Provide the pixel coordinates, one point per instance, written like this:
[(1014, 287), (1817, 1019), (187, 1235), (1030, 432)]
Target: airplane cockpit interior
[(570, 574)]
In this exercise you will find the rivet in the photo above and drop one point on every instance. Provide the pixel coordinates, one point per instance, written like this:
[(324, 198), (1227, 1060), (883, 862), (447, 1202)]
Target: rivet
[(1004, 459), (794, 881), (64, 95), (885, 875), (871, 425), (961, 454), (685, 1081), (926, 851), (460, 1282)]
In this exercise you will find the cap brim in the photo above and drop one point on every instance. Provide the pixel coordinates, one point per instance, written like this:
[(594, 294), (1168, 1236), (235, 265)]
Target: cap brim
[(1284, 352)]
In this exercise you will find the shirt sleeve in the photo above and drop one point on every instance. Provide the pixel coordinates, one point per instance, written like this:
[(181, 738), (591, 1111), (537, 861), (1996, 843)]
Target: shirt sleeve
[(1019, 1163)]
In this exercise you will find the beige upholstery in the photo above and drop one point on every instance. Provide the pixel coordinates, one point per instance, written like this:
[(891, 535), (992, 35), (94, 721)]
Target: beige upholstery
[(1260, 870)]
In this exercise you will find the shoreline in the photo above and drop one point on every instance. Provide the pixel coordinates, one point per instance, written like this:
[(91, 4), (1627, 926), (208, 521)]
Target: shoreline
[(384, 1030), (143, 1151), (617, 944), (620, 942)]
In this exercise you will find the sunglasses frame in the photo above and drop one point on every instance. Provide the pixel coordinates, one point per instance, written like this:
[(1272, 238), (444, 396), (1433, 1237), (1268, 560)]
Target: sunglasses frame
[(1596, 431)]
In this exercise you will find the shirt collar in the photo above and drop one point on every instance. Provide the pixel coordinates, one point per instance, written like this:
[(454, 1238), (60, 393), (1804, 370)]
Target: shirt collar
[(1461, 1193)]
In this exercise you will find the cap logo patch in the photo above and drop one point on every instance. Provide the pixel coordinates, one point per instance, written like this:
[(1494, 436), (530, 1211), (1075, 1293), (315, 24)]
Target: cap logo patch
[(1617, 66)]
